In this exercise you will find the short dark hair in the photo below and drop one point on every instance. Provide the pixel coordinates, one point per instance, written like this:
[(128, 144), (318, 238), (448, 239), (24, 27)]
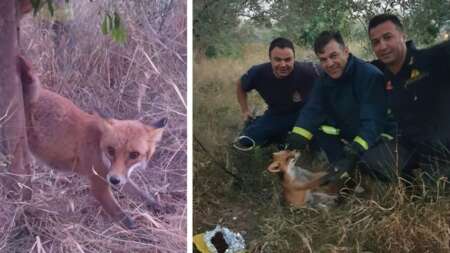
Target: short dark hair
[(281, 43), (381, 18), (324, 38)]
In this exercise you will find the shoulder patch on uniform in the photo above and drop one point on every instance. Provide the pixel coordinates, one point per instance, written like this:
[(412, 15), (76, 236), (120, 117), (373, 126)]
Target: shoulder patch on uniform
[(415, 76), (415, 73)]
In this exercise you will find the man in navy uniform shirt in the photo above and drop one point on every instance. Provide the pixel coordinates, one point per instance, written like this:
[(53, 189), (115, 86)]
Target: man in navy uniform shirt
[(418, 87), (346, 112), (284, 84)]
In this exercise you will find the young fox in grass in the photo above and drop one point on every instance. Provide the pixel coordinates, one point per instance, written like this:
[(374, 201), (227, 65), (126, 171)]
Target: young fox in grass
[(106, 151), (298, 183)]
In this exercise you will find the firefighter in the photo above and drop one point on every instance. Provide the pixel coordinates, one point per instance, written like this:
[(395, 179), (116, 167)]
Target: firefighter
[(418, 88), (346, 112), (284, 84)]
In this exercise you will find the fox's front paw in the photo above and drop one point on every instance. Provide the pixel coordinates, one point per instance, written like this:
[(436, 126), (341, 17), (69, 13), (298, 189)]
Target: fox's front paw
[(169, 209), (128, 223), (158, 208), (154, 206)]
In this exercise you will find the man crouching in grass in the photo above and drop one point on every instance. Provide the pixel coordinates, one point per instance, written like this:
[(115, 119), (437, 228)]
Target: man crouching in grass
[(345, 114), (284, 84)]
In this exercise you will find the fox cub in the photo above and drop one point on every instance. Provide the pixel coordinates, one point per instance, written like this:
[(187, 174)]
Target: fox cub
[(299, 185), (106, 151)]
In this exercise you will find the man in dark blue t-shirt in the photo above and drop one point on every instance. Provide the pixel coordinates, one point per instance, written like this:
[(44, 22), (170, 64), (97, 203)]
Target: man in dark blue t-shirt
[(284, 84)]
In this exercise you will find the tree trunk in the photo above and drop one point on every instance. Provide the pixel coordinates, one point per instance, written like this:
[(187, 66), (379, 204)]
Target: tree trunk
[(13, 139)]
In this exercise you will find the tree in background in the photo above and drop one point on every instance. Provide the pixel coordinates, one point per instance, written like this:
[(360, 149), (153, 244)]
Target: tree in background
[(216, 24), (425, 19), (303, 20), (226, 24), (13, 139), (421, 18)]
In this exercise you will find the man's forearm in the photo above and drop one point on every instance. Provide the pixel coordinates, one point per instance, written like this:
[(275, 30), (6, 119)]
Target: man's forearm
[(242, 98)]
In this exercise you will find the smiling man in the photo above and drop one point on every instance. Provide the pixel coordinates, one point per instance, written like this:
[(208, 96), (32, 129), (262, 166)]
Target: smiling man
[(346, 111), (418, 91), (284, 84)]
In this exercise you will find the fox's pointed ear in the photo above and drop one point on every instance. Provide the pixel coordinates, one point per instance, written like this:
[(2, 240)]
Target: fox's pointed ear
[(160, 123), (105, 124), (101, 113), (274, 167), (156, 134), (157, 129)]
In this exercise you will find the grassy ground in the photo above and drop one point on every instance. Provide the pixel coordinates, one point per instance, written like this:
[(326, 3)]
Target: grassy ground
[(389, 221), (144, 78)]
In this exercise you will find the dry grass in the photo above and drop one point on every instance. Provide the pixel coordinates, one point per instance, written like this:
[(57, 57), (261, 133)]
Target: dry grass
[(390, 221), (144, 78)]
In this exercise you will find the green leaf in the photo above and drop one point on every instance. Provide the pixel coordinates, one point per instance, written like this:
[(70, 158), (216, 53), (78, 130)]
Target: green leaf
[(116, 20), (104, 26), (113, 25), (35, 4), (119, 34), (51, 9), (123, 35), (110, 23), (114, 34)]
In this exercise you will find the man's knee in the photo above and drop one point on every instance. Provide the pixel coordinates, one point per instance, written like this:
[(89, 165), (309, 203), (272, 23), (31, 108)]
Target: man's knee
[(266, 129), (385, 161)]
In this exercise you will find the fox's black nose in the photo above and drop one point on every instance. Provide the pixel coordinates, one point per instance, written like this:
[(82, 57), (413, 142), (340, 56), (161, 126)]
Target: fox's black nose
[(114, 180)]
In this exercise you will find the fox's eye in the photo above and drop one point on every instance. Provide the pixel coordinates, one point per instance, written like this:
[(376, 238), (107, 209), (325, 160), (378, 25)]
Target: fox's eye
[(111, 151), (133, 155)]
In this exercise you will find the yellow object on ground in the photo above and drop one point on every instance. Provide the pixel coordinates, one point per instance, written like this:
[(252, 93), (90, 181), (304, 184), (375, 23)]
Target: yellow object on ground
[(200, 243)]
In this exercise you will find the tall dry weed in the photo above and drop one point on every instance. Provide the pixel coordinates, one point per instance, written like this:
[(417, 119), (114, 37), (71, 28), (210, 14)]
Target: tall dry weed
[(144, 78)]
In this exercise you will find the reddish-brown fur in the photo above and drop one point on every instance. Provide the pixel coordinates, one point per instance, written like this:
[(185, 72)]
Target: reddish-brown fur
[(103, 150), (297, 183)]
